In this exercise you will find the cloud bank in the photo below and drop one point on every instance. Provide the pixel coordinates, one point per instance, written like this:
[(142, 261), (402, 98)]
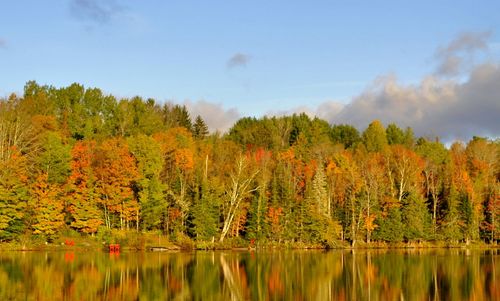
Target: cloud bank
[(214, 115), (435, 107), (238, 60), (438, 105)]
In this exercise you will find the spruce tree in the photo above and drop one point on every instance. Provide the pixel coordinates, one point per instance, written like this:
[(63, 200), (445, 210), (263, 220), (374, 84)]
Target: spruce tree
[(200, 128), (181, 117)]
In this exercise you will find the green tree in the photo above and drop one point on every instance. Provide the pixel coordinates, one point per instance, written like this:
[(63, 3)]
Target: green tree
[(17, 134), (415, 218), (151, 190), (390, 225), (395, 135), (435, 158), (374, 137), (450, 226), (200, 128), (206, 212), (319, 192), (462, 195), (180, 116), (260, 208), (135, 116), (345, 134), (13, 195), (347, 182), (54, 159)]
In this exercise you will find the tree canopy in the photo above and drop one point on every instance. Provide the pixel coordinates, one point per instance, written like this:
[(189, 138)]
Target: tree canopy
[(74, 158)]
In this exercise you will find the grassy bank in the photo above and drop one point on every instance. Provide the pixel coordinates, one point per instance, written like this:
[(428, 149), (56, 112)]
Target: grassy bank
[(132, 240)]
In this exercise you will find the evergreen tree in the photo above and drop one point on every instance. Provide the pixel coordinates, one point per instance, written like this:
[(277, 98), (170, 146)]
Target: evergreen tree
[(451, 222), (319, 193), (205, 214), (200, 129), (390, 226), (415, 218), (181, 117)]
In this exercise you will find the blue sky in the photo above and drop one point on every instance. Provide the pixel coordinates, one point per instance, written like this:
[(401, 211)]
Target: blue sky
[(254, 56)]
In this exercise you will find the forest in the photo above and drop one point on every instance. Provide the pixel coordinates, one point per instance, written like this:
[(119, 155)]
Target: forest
[(76, 160)]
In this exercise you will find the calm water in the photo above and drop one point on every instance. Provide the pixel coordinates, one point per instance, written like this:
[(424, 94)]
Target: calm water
[(281, 275)]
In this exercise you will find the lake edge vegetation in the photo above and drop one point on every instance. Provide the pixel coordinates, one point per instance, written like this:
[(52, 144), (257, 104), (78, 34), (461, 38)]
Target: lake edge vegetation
[(77, 162)]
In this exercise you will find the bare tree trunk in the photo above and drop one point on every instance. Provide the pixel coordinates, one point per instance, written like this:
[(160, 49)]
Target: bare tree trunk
[(239, 189)]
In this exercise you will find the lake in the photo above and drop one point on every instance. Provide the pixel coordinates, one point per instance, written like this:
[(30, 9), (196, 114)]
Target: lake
[(437, 274)]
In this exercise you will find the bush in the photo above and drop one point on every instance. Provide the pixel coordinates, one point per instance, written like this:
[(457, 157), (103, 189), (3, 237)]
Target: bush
[(184, 241), (104, 235)]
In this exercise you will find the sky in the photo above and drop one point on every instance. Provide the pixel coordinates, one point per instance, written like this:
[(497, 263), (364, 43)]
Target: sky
[(431, 65)]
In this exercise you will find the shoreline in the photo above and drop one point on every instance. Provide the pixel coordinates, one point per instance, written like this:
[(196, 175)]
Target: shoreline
[(172, 247)]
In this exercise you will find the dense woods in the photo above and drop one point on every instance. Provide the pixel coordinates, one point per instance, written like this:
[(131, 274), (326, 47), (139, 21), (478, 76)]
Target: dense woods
[(76, 159)]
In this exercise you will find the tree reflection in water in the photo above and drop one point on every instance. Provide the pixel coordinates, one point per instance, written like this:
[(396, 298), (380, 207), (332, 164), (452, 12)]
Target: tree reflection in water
[(454, 274)]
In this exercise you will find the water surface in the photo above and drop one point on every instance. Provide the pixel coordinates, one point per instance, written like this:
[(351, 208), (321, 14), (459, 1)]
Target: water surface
[(230, 275)]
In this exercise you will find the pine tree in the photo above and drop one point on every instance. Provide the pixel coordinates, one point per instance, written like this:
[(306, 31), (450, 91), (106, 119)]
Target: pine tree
[(390, 226), (415, 218), (200, 128), (181, 117), (205, 213), (319, 193)]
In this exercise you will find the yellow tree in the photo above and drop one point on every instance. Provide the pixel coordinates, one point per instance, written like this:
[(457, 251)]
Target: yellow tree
[(371, 166), (462, 220), (482, 161), (47, 207), (405, 172), (177, 146), (346, 181), (115, 171)]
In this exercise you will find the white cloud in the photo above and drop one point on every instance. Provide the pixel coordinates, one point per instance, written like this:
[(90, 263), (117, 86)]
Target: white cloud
[(215, 116), (435, 106)]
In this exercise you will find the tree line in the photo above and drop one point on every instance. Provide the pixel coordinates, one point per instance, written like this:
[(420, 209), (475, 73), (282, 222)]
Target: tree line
[(76, 158)]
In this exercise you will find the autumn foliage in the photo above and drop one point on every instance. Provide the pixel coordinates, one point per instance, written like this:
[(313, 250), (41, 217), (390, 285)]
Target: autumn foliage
[(88, 162)]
